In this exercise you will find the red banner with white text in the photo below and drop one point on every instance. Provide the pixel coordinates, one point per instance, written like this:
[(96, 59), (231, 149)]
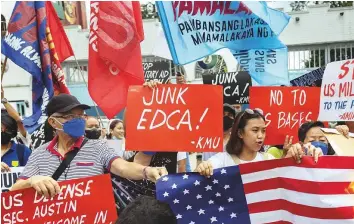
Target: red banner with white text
[(87, 200), (180, 118), (285, 109)]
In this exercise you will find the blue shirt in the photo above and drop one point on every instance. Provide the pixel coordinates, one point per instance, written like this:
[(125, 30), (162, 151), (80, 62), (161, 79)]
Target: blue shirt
[(11, 158)]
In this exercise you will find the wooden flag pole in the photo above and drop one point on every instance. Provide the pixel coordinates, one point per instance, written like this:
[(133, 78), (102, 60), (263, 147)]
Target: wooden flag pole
[(3, 68)]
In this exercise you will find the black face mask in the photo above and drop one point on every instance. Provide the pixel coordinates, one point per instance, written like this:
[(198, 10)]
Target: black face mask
[(93, 133), (228, 122), (5, 138)]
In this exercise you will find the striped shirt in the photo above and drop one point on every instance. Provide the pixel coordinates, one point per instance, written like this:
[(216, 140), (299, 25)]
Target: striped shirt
[(92, 159)]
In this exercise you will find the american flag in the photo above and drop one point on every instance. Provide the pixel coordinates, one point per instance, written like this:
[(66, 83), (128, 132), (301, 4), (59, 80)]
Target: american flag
[(274, 191)]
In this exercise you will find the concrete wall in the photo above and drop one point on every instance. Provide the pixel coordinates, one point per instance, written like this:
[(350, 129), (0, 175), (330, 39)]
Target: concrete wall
[(319, 24)]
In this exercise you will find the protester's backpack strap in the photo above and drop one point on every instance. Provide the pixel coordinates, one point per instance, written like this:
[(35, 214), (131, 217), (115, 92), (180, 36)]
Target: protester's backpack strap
[(20, 150), (67, 160)]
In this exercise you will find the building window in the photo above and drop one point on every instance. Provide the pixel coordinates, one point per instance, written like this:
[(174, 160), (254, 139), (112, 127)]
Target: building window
[(341, 52), (73, 74), (307, 58), (312, 57)]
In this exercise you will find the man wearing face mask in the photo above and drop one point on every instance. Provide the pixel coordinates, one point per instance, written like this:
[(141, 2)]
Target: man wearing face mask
[(228, 121), (93, 130), (12, 154), (82, 157)]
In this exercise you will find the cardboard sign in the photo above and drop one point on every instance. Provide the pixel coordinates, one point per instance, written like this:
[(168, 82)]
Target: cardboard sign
[(158, 71), (9, 178), (236, 86), (285, 109), (337, 92), (341, 145), (86, 200), (312, 79), (185, 118)]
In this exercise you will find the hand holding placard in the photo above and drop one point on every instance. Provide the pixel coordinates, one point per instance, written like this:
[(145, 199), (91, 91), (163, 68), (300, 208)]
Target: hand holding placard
[(180, 115)]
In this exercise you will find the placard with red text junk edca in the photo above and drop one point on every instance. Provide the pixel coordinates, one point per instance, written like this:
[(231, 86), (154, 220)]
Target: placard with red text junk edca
[(185, 118), (87, 200)]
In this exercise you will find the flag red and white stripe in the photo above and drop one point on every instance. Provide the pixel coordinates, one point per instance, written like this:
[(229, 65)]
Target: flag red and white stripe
[(300, 193)]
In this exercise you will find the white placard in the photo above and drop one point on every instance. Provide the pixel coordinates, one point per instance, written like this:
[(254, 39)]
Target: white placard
[(9, 178), (337, 92)]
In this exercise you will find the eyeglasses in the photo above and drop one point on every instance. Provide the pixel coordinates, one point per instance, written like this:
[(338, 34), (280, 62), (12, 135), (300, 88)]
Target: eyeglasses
[(249, 111), (257, 110), (72, 116)]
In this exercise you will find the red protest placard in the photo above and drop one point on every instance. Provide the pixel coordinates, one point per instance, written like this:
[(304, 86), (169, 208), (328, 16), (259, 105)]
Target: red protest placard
[(87, 200), (285, 109), (185, 118)]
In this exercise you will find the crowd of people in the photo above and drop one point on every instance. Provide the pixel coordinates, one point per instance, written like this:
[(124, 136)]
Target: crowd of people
[(71, 132)]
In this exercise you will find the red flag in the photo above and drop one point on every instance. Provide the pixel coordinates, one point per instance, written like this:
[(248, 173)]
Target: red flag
[(61, 41), (60, 49), (115, 60)]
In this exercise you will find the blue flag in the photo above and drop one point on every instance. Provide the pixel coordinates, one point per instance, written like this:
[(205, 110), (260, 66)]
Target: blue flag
[(26, 45), (196, 29), (195, 199), (267, 67)]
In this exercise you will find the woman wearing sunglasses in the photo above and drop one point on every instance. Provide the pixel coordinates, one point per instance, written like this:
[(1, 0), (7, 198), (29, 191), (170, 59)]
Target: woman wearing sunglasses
[(246, 144)]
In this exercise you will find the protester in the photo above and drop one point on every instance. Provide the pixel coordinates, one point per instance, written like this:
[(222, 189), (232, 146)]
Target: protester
[(93, 130), (228, 121), (229, 111), (66, 116), (116, 130), (311, 133), (246, 142), (147, 210), (12, 153), (23, 136)]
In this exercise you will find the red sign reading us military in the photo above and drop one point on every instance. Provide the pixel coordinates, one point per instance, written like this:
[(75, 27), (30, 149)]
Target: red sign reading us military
[(87, 200), (185, 118)]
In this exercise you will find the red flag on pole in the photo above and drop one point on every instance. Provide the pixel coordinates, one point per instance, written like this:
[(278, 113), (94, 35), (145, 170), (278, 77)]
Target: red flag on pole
[(61, 41), (115, 60), (60, 49)]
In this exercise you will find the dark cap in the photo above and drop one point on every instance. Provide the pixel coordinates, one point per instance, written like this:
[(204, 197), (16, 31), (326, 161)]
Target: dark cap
[(305, 127), (229, 108), (64, 103)]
